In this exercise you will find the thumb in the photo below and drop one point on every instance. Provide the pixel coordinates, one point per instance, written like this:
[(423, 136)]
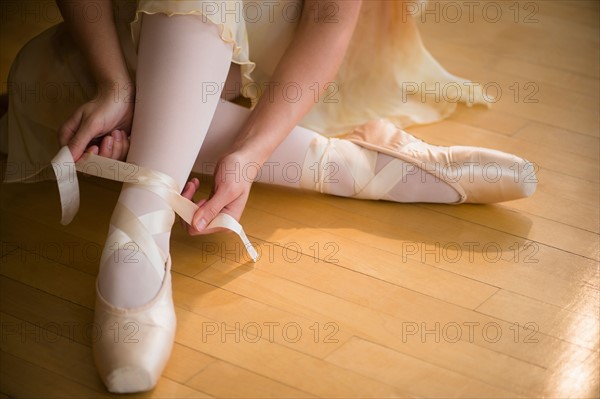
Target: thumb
[(69, 128), (209, 210), (82, 137)]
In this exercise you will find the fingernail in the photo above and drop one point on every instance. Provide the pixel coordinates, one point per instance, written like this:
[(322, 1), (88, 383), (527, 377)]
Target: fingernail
[(118, 135), (109, 142), (201, 225)]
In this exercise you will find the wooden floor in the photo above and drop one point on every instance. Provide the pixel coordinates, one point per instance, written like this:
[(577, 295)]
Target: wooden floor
[(357, 298)]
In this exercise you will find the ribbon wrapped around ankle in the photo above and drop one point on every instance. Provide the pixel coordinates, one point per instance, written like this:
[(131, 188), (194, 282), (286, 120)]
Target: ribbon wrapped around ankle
[(65, 169)]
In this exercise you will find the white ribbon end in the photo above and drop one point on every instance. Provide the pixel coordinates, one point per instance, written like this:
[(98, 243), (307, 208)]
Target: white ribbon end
[(228, 222), (63, 166), (252, 252)]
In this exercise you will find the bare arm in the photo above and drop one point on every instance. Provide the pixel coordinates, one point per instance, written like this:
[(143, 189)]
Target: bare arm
[(96, 35), (314, 56), (111, 112)]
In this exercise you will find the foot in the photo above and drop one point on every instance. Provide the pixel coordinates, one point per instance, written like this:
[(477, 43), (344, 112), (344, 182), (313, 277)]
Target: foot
[(136, 336), (379, 161)]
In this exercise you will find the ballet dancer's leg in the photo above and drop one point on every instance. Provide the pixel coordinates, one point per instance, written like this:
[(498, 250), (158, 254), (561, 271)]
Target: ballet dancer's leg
[(400, 168), (177, 57), (287, 161)]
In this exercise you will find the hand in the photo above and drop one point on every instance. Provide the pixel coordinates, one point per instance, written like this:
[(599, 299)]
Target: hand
[(230, 193), (101, 126)]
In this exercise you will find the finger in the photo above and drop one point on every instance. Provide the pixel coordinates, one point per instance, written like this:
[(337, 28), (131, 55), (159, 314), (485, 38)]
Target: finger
[(117, 144), (85, 133), (106, 147), (186, 226), (125, 146), (190, 189), (188, 192), (120, 145), (93, 150), (69, 128), (194, 232), (210, 209)]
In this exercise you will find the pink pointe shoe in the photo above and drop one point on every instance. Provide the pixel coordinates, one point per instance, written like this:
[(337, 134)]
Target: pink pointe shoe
[(478, 175), (134, 344)]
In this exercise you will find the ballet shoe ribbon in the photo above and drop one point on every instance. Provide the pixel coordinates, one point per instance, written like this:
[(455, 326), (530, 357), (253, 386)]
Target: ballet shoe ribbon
[(65, 169)]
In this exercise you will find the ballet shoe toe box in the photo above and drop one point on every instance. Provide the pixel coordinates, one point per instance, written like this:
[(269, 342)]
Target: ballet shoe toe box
[(490, 176), (129, 380), (134, 345)]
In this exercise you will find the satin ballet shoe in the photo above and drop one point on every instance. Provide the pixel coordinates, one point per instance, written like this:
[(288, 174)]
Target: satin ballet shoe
[(134, 344), (478, 175)]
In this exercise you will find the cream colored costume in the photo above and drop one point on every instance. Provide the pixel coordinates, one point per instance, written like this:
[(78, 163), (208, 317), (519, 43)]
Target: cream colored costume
[(383, 75)]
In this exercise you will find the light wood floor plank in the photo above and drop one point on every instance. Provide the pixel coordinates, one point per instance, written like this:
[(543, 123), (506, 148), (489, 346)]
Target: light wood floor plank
[(52, 278), (250, 320), (491, 119), (274, 361), (217, 378), (568, 325), (416, 310), (386, 258), (74, 322), (39, 345), (17, 375), (373, 326), (560, 140), (423, 379), (576, 378), (395, 263)]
